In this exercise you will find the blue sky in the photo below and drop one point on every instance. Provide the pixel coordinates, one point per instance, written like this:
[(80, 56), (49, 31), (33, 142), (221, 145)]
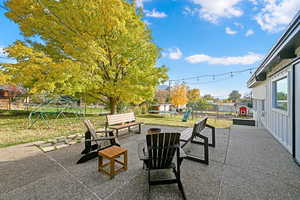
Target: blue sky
[(215, 36), (206, 37)]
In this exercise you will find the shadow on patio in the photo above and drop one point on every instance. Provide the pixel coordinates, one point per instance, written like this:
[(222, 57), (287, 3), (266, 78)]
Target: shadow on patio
[(247, 163)]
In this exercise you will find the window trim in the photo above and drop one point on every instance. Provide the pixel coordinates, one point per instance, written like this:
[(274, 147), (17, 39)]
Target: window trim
[(274, 108)]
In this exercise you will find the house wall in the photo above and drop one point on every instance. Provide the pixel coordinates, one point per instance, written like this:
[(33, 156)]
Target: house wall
[(164, 107), (277, 122), (297, 111)]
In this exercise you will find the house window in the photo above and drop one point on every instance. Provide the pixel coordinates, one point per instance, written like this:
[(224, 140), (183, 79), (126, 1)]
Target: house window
[(280, 94)]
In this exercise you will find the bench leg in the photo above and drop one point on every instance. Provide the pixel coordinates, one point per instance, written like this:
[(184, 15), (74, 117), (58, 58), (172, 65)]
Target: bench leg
[(117, 132), (140, 128)]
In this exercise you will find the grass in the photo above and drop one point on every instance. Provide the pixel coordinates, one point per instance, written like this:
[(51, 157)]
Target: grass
[(176, 121), (14, 126)]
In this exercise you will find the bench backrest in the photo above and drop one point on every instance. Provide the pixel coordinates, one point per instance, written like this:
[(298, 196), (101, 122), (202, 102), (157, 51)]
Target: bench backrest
[(120, 118), (199, 126)]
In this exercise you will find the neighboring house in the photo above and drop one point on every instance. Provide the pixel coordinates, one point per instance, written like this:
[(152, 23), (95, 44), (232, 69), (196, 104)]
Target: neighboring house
[(276, 90), (8, 97), (160, 108)]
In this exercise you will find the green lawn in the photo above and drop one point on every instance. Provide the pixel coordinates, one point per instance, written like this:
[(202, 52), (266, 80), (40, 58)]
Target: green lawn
[(14, 126), (176, 121)]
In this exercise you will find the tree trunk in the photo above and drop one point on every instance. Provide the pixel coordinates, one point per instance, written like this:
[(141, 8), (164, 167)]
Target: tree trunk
[(113, 105)]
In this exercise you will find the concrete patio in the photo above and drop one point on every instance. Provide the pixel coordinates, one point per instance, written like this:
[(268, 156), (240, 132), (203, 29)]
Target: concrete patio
[(247, 163)]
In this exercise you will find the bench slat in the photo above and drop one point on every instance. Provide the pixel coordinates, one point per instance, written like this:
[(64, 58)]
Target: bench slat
[(120, 118), (125, 125)]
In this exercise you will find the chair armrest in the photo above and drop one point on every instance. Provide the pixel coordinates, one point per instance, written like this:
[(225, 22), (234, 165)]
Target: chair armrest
[(142, 153), (210, 126), (101, 131), (105, 138), (182, 154), (101, 139)]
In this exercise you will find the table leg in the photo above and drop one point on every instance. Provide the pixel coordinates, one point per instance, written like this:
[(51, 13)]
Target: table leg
[(112, 168), (100, 163), (125, 160)]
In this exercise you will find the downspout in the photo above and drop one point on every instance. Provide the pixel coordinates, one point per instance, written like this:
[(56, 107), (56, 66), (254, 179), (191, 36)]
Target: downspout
[(294, 114), (294, 111)]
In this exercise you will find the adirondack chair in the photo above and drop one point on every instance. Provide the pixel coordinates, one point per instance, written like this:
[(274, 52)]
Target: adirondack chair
[(158, 153), (94, 143), (190, 135)]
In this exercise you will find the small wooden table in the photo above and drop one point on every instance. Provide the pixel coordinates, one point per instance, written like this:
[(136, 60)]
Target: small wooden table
[(111, 154)]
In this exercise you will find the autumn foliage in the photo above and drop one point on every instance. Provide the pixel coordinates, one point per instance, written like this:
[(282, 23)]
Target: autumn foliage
[(193, 95), (97, 49), (179, 95)]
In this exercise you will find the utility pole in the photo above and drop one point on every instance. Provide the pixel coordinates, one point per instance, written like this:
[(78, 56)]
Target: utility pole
[(169, 91)]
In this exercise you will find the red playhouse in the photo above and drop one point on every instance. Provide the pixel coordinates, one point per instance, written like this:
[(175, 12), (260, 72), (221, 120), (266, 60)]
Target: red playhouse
[(243, 111)]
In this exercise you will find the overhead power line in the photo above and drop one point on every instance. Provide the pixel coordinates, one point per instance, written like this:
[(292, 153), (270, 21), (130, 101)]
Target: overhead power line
[(213, 76)]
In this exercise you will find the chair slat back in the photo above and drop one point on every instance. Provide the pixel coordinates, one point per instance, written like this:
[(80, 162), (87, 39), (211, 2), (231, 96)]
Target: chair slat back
[(199, 126), (120, 118), (90, 127), (161, 149)]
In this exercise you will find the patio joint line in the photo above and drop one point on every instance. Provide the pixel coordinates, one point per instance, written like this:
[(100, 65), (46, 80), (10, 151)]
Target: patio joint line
[(117, 188), (224, 164), (76, 179)]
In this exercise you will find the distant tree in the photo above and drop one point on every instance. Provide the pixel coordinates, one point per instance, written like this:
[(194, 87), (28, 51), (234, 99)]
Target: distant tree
[(193, 95), (246, 98), (281, 96), (234, 95), (203, 104), (179, 95), (208, 97), (161, 96)]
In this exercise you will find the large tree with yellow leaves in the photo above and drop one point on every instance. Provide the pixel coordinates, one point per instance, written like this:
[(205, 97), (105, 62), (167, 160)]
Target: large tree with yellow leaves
[(97, 48)]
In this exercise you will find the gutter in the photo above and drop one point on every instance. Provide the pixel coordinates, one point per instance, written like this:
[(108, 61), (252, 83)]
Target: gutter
[(293, 25)]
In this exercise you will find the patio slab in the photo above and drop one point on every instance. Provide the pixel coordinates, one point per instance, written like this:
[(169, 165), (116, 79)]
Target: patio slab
[(247, 163)]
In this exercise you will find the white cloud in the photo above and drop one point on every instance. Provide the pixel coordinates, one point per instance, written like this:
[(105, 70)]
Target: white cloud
[(190, 11), (276, 15), (213, 10), (155, 14), (254, 2), (140, 3), (248, 59), (249, 32), (173, 53), (2, 52), (230, 31), (147, 22)]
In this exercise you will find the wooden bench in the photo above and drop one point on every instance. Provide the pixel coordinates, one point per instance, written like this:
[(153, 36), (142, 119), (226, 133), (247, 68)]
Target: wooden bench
[(121, 121), (190, 135)]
